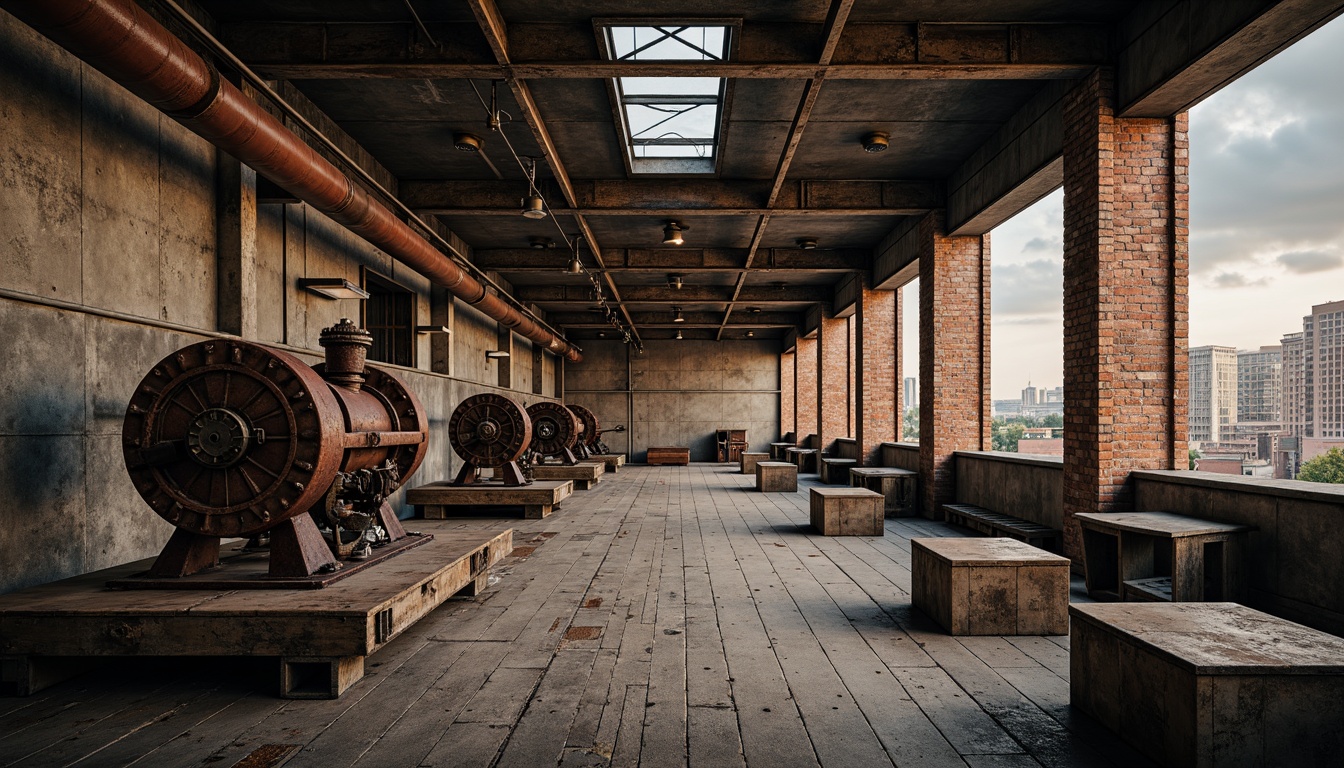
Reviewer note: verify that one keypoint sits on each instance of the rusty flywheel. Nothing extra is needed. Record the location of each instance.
(489, 430)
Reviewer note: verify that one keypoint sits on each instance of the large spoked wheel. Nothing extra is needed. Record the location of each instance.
(489, 430)
(226, 438)
(590, 425)
(555, 429)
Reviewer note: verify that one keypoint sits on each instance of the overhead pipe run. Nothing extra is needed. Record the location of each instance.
(121, 40)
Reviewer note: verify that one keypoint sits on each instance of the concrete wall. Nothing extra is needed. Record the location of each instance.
(1294, 568)
(1031, 488)
(110, 264)
(680, 392)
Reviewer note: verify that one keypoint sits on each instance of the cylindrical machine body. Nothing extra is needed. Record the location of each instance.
(555, 428)
(229, 438)
(591, 426)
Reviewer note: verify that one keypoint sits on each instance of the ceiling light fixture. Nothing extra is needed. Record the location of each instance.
(533, 206)
(672, 233)
(751, 334)
(679, 336)
(540, 243)
(575, 266)
(468, 142)
(674, 281)
(807, 243)
(875, 142)
(677, 317)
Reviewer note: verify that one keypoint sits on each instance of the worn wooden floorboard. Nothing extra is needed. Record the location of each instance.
(671, 616)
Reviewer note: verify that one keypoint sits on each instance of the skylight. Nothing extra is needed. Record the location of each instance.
(669, 124)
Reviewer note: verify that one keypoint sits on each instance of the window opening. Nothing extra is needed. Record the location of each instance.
(389, 315)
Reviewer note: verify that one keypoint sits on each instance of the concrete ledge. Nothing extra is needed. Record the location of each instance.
(1301, 490)
(1047, 462)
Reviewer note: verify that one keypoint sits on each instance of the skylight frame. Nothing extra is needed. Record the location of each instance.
(637, 165)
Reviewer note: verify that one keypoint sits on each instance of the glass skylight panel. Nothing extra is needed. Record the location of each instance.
(669, 117)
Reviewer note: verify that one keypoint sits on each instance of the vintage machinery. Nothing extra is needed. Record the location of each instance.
(226, 438)
(591, 430)
(490, 430)
(555, 432)
(600, 446)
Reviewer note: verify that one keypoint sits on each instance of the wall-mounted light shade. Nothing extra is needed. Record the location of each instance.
(333, 288)
(433, 329)
(534, 207)
(496, 354)
(672, 233)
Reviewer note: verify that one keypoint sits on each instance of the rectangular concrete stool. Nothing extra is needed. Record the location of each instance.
(975, 586)
(750, 460)
(1209, 683)
(847, 512)
(776, 477)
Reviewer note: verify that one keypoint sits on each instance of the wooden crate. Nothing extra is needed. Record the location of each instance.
(847, 512)
(584, 475)
(776, 477)
(999, 586)
(749, 460)
(835, 470)
(436, 501)
(898, 486)
(1208, 684)
(668, 455)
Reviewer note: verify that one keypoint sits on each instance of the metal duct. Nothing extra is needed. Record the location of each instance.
(121, 40)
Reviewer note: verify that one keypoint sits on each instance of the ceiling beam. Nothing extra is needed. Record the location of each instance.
(689, 320)
(689, 294)
(833, 31)
(681, 197)
(496, 36)
(315, 50)
(679, 260)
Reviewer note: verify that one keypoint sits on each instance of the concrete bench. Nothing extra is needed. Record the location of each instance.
(847, 512)
(803, 458)
(1209, 683)
(1161, 556)
(750, 460)
(835, 470)
(998, 586)
(900, 487)
(776, 477)
(991, 523)
(777, 450)
(668, 455)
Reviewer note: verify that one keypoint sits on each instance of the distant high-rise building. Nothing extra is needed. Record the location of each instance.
(911, 393)
(1213, 394)
(1313, 374)
(1260, 385)
(1029, 396)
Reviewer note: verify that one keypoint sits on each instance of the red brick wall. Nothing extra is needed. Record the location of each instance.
(1126, 321)
(852, 385)
(954, 408)
(833, 386)
(877, 387)
(786, 404)
(805, 388)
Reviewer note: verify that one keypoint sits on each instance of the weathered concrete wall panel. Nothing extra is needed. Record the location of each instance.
(1029, 488)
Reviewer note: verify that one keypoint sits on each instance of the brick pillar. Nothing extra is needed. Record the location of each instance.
(877, 387)
(1126, 199)
(805, 388)
(786, 404)
(954, 407)
(833, 380)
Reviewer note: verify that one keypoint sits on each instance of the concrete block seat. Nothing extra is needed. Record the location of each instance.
(990, 586)
(991, 523)
(749, 460)
(803, 458)
(847, 512)
(835, 470)
(1209, 684)
(900, 487)
(776, 477)
(777, 450)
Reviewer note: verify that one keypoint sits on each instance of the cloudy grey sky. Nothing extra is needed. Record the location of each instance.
(1266, 221)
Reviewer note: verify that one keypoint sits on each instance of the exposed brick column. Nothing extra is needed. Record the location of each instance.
(786, 392)
(1126, 275)
(877, 389)
(805, 388)
(833, 380)
(954, 407)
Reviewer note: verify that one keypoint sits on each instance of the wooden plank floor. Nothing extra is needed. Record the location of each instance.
(670, 616)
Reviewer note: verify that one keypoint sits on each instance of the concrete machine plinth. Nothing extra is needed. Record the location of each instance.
(440, 500)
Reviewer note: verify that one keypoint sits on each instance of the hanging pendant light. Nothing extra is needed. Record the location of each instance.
(672, 233)
(533, 206)
(575, 266)
(677, 316)
(678, 336)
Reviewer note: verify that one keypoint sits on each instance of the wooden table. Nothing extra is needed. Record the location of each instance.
(1162, 556)
(1209, 683)
(898, 486)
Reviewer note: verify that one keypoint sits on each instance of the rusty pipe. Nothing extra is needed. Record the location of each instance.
(122, 41)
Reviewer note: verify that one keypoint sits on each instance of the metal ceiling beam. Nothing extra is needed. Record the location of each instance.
(658, 260)
(496, 35)
(690, 320)
(690, 294)
(682, 197)
(834, 31)
(306, 50)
